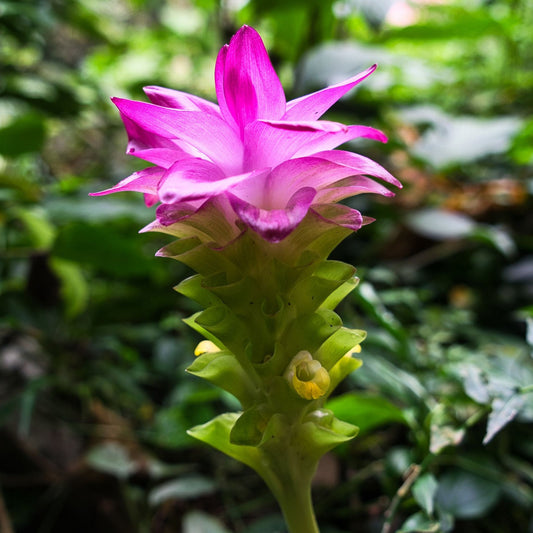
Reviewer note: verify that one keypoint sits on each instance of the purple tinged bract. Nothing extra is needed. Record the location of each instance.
(268, 161)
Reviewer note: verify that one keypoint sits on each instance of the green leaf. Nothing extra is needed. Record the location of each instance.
(74, 288)
(101, 248)
(198, 522)
(439, 224)
(170, 428)
(424, 491)
(113, 459)
(443, 430)
(23, 135)
(364, 411)
(466, 495)
(184, 488)
(419, 523)
(504, 410)
(271, 522)
(379, 372)
(42, 233)
(466, 27)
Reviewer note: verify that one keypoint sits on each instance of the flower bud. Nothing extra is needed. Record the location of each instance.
(307, 376)
(205, 347)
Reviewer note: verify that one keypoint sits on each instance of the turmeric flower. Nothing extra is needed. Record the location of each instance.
(307, 376)
(269, 161)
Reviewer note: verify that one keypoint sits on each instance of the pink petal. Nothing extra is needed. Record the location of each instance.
(168, 214)
(341, 215)
(314, 105)
(206, 132)
(211, 220)
(150, 199)
(251, 87)
(179, 100)
(292, 175)
(145, 181)
(194, 179)
(220, 68)
(350, 187)
(360, 164)
(162, 157)
(158, 150)
(271, 190)
(328, 141)
(274, 224)
(268, 143)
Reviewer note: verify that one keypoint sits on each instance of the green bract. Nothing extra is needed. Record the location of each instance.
(277, 344)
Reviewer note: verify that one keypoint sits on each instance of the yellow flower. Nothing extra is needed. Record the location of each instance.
(307, 376)
(206, 347)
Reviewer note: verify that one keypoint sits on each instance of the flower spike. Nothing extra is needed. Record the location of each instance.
(250, 188)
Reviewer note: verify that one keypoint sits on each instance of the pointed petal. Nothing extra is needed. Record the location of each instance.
(194, 179)
(154, 148)
(206, 132)
(339, 214)
(274, 224)
(360, 164)
(328, 141)
(212, 220)
(168, 214)
(272, 190)
(162, 157)
(314, 105)
(267, 143)
(313, 172)
(179, 100)
(350, 187)
(145, 181)
(150, 199)
(252, 89)
(189, 179)
(220, 68)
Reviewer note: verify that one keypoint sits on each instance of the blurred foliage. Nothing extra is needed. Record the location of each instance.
(94, 403)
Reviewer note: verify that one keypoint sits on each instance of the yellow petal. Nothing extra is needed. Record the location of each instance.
(206, 347)
(313, 388)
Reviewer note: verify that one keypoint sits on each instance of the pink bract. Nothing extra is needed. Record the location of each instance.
(271, 160)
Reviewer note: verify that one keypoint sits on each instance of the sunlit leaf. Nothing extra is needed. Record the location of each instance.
(113, 459)
(439, 224)
(184, 488)
(198, 522)
(504, 410)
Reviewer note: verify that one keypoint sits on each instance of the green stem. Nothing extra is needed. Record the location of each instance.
(288, 474)
(297, 507)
